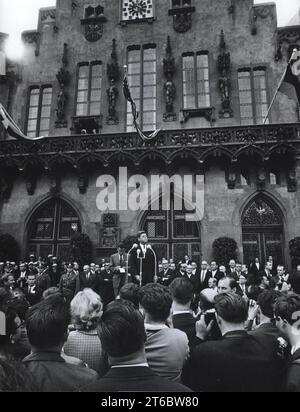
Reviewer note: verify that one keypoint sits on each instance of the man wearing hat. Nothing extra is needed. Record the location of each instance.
(142, 261)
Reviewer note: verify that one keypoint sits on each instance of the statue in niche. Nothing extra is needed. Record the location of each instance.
(224, 86)
(112, 94)
(61, 104)
(170, 92)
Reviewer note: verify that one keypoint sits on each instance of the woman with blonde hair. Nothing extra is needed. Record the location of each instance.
(83, 343)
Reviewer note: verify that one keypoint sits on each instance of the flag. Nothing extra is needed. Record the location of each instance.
(2, 64)
(12, 128)
(290, 85)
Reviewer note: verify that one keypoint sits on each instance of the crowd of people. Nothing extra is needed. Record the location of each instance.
(197, 328)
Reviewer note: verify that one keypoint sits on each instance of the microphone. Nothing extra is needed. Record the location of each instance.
(134, 246)
(149, 246)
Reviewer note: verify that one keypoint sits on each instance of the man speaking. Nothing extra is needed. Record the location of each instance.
(142, 261)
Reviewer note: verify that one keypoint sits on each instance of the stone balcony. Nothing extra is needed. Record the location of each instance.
(199, 144)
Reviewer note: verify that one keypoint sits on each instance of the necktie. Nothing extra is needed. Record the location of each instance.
(203, 276)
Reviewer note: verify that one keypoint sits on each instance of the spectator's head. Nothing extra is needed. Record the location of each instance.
(18, 293)
(130, 292)
(213, 266)
(242, 280)
(14, 377)
(266, 302)
(269, 265)
(93, 267)
(182, 267)
(194, 265)
(204, 265)
(165, 264)
(232, 264)
(155, 301)
(264, 282)
(189, 269)
(280, 270)
(232, 312)
(238, 267)
(69, 268)
(287, 315)
(222, 269)
(212, 283)
(75, 266)
(182, 292)
(122, 332)
(86, 310)
(173, 266)
(207, 299)
(227, 285)
(244, 268)
(47, 324)
(50, 292)
(86, 269)
(253, 292)
(8, 281)
(31, 280)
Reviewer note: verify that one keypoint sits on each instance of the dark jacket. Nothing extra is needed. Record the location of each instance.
(134, 379)
(293, 374)
(91, 283)
(147, 265)
(236, 363)
(186, 323)
(55, 375)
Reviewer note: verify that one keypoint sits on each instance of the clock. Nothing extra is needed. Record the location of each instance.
(137, 9)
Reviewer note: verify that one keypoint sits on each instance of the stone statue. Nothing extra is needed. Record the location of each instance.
(170, 92)
(61, 103)
(112, 94)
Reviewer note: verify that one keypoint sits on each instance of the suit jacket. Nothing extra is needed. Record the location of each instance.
(237, 363)
(134, 379)
(166, 276)
(91, 283)
(33, 297)
(148, 266)
(233, 275)
(293, 373)
(115, 262)
(204, 284)
(105, 288)
(195, 280)
(186, 323)
(218, 275)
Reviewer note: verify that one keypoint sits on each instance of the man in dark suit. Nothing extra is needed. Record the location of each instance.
(267, 271)
(23, 275)
(119, 262)
(238, 362)
(105, 286)
(287, 312)
(204, 276)
(33, 293)
(193, 278)
(166, 273)
(256, 267)
(231, 271)
(215, 273)
(88, 279)
(122, 334)
(142, 262)
(182, 315)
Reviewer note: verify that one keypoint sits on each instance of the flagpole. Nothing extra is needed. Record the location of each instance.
(279, 85)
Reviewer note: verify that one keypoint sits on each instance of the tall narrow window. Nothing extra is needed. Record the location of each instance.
(88, 102)
(142, 82)
(196, 88)
(39, 111)
(253, 95)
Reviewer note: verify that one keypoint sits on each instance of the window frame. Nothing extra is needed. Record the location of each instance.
(141, 111)
(89, 90)
(40, 89)
(251, 68)
(195, 80)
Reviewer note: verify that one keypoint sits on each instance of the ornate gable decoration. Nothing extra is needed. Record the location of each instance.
(137, 10)
(93, 23)
(260, 213)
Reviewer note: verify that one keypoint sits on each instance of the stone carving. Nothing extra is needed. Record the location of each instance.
(169, 86)
(112, 91)
(93, 23)
(224, 63)
(63, 77)
(182, 15)
(262, 12)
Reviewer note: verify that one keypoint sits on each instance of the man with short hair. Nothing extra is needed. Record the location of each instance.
(229, 284)
(142, 262)
(194, 279)
(166, 349)
(236, 363)
(122, 334)
(182, 316)
(215, 272)
(47, 330)
(166, 272)
(88, 279)
(287, 312)
(119, 263)
(231, 272)
(204, 276)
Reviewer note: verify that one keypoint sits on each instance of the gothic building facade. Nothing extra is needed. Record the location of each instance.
(204, 72)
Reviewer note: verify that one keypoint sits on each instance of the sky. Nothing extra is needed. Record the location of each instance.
(19, 15)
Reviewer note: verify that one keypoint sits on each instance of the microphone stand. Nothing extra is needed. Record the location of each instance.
(127, 263)
(141, 264)
(155, 262)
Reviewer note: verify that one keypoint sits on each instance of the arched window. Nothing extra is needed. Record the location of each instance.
(262, 231)
(174, 234)
(51, 228)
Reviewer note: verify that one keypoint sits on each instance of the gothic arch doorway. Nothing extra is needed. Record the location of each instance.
(262, 226)
(51, 228)
(173, 234)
